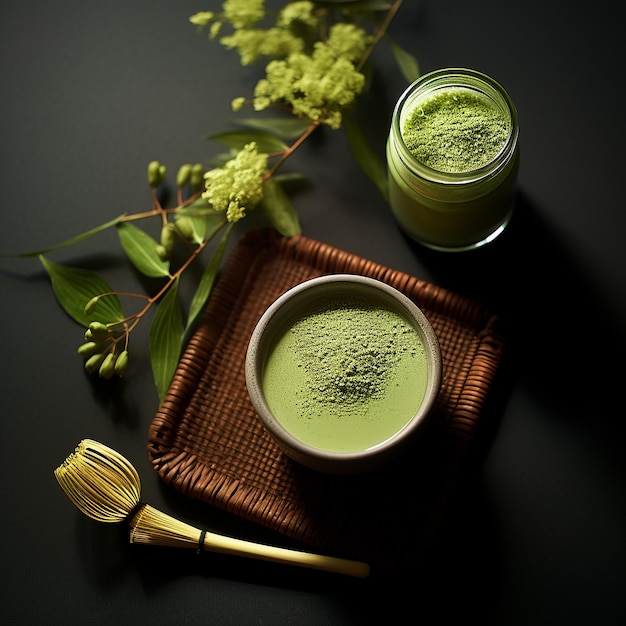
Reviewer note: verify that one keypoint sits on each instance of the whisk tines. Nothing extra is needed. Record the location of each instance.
(100, 482)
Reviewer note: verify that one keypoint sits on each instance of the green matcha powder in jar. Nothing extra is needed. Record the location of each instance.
(452, 159)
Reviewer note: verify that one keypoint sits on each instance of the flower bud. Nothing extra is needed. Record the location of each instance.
(88, 349)
(237, 104)
(93, 363)
(107, 368)
(162, 253)
(168, 236)
(97, 338)
(196, 176)
(184, 173)
(155, 175)
(98, 327)
(98, 332)
(202, 18)
(184, 226)
(91, 305)
(121, 363)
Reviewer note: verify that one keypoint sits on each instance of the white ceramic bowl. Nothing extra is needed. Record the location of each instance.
(342, 455)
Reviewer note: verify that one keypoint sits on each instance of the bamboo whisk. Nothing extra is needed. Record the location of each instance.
(106, 487)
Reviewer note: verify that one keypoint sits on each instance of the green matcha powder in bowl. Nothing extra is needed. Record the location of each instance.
(343, 371)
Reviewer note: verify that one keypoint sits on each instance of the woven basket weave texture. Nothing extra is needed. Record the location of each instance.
(207, 442)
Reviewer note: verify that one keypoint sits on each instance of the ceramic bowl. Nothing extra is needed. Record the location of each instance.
(341, 455)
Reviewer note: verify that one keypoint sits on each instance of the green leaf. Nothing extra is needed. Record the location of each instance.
(74, 287)
(237, 139)
(287, 128)
(279, 210)
(205, 286)
(289, 178)
(407, 63)
(219, 160)
(73, 240)
(141, 249)
(166, 332)
(369, 162)
(205, 226)
(206, 221)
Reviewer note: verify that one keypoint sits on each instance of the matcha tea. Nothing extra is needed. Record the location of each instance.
(455, 130)
(346, 377)
(452, 160)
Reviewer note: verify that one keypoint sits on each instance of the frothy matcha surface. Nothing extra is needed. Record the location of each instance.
(346, 377)
(455, 130)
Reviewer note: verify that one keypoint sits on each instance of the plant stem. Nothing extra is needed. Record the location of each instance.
(381, 32)
(292, 148)
(159, 210)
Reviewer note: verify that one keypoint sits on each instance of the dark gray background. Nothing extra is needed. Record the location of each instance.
(92, 92)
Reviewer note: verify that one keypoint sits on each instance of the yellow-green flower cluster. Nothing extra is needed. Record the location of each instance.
(319, 85)
(204, 18)
(253, 42)
(348, 41)
(240, 14)
(298, 13)
(238, 184)
(316, 81)
(243, 13)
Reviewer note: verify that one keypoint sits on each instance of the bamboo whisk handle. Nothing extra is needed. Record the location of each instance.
(239, 547)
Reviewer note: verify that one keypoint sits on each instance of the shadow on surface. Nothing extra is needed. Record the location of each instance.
(560, 329)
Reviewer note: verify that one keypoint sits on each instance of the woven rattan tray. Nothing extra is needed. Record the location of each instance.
(206, 441)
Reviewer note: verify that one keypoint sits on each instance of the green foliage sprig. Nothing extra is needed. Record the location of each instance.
(317, 54)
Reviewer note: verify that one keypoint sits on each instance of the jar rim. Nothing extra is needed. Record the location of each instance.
(447, 78)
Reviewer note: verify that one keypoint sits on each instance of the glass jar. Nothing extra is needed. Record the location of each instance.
(452, 159)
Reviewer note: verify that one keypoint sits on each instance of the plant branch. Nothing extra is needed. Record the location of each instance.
(381, 32)
(293, 147)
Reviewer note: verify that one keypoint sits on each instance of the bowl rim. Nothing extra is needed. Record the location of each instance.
(318, 458)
